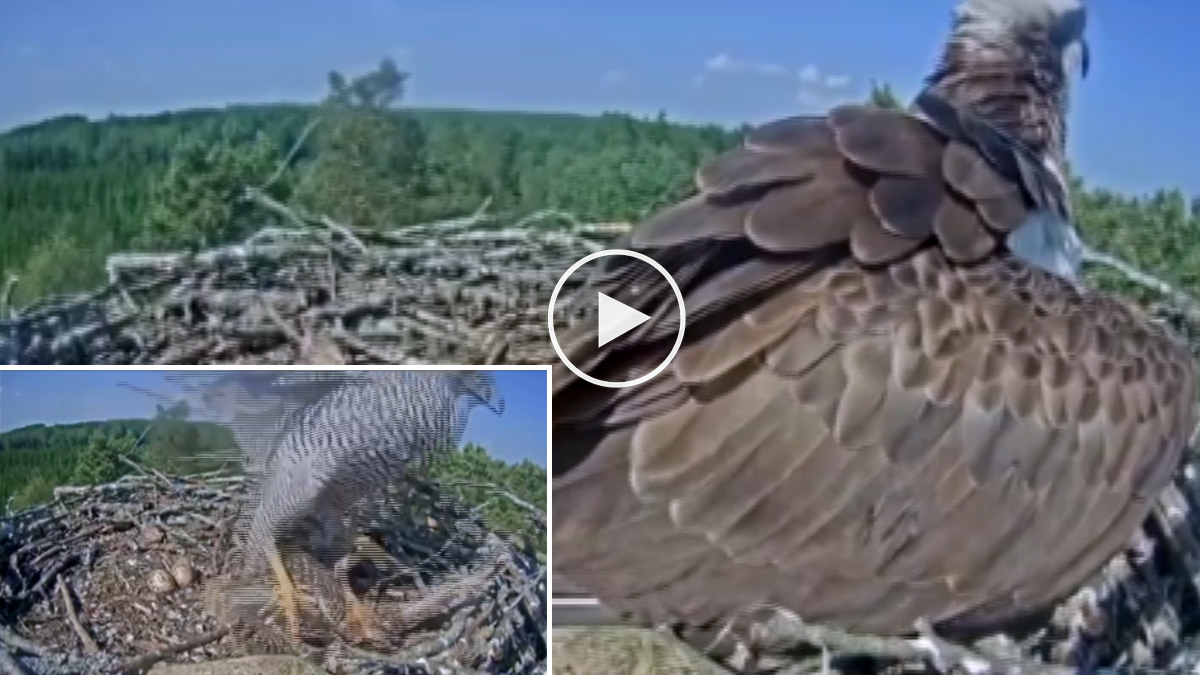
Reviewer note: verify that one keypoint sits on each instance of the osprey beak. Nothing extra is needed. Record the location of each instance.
(1076, 58)
(1084, 58)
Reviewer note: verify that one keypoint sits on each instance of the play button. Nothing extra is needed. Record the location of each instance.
(615, 318)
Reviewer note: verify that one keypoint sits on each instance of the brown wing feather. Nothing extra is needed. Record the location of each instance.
(864, 443)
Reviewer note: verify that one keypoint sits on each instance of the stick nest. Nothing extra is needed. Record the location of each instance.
(471, 290)
(119, 577)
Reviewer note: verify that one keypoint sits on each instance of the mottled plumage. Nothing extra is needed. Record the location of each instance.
(1009, 62)
(321, 441)
(880, 413)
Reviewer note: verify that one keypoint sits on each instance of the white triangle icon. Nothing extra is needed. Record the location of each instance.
(616, 318)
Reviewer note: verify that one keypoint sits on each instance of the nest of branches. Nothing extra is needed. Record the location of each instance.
(135, 576)
(471, 290)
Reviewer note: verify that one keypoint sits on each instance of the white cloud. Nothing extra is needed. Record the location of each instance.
(809, 75)
(820, 99)
(812, 75)
(815, 88)
(813, 98)
(724, 63)
(614, 76)
(818, 90)
(808, 99)
(770, 69)
(720, 63)
(837, 81)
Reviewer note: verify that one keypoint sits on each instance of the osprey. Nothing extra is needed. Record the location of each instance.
(894, 402)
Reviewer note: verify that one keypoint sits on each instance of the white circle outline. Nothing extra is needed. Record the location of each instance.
(604, 254)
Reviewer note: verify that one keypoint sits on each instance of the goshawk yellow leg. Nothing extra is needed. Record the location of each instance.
(285, 595)
(361, 622)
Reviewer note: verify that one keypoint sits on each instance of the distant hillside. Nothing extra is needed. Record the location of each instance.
(36, 436)
(91, 182)
(74, 190)
(36, 458)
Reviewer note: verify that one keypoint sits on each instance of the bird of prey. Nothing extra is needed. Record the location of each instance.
(895, 401)
(322, 441)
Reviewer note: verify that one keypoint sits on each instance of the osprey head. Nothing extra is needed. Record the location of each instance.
(1055, 28)
(1011, 63)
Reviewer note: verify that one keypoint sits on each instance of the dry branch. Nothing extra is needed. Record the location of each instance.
(141, 664)
(89, 645)
(465, 290)
(83, 570)
(1180, 301)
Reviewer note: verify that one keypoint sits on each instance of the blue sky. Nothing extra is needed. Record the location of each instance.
(714, 60)
(56, 397)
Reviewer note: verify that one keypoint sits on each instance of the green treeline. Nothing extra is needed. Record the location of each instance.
(37, 458)
(465, 470)
(73, 190)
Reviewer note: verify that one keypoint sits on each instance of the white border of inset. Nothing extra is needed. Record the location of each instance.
(261, 367)
(226, 368)
(220, 367)
(604, 254)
